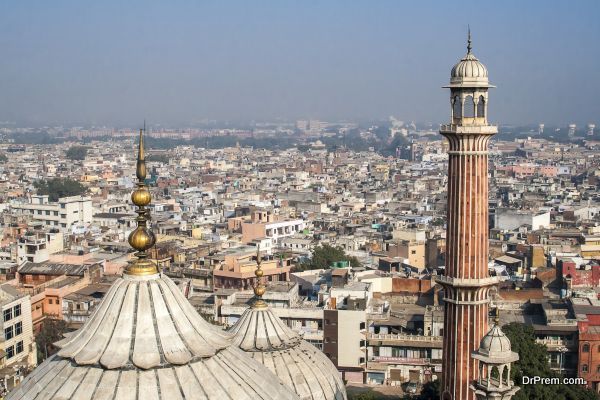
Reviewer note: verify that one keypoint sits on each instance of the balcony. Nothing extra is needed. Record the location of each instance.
(400, 339)
(400, 360)
(311, 334)
(555, 344)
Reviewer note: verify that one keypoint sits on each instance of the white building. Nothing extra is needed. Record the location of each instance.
(65, 213)
(508, 219)
(18, 343)
(38, 247)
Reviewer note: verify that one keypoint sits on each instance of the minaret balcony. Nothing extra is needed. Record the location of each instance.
(462, 129)
(464, 282)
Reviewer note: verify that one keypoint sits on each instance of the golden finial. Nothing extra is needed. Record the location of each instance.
(141, 238)
(469, 40)
(497, 316)
(259, 288)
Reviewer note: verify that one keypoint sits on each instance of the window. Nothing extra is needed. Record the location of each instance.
(413, 252)
(584, 349)
(47, 212)
(62, 205)
(469, 107)
(457, 107)
(481, 107)
(17, 310)
(56, 213)
(18, 328)
(584, 368)
(8, 333)
(7, 315)
(19, 348)
(10, 352)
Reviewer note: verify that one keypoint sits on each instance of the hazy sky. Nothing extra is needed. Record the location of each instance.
(176, 62)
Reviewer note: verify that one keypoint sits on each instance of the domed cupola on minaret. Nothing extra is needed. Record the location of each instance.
(495, 358)
(469, 86)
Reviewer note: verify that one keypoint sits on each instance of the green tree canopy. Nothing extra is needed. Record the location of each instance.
(3, 158)
(430, 391)
(56, 188)
(324, 255)
(77, 153)
(533, 361)
(160, 158)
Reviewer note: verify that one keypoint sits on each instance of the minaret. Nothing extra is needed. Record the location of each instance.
(466, 281)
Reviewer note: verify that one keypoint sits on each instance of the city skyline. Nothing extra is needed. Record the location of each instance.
(109, 64)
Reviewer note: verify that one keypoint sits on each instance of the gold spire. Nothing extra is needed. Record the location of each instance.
(497, 316)
(259, 288)
(141, 238)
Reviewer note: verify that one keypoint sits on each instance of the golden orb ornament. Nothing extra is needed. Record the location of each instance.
(259, 273)
(141, 197)
(141, 239)
(260, 290)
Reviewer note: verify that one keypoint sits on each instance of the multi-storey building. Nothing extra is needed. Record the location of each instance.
(18, 344)
(64, 214)
(234, 268)
(265, 225)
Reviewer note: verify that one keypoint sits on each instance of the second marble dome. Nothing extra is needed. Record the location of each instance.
(299, 364)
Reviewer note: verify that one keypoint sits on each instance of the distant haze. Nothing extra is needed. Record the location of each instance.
(179, 62)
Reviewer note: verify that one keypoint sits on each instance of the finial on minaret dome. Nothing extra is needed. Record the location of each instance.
(469, 47)
(142, 238)
(259, 288)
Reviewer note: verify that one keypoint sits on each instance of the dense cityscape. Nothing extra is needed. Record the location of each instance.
(289, 212)
(343, 235)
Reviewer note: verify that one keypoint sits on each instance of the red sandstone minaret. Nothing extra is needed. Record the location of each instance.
(466, 281)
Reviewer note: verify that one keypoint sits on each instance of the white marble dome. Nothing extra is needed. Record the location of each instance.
(299, 364)
(469, 67)
(495, 343)
(145, 341)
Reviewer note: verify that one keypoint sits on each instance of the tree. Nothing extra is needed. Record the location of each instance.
(159, 158)
(325, 255)
(77, 153)
(533, 362)
(51, 332)
(59, 187)
(430, 391)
